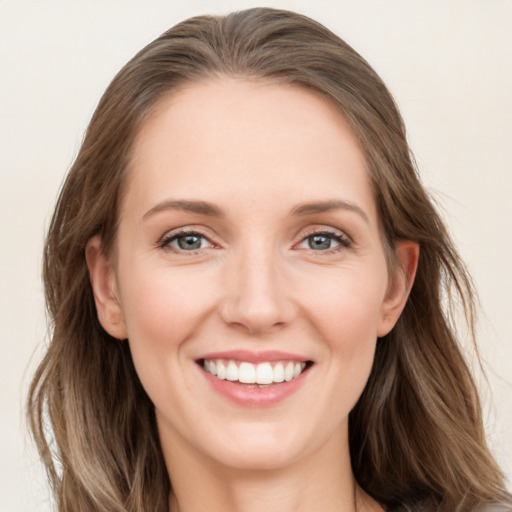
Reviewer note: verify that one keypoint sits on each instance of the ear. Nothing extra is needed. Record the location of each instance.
(104, 287)
(401, 281)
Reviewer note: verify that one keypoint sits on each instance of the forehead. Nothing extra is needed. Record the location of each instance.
(247, 137)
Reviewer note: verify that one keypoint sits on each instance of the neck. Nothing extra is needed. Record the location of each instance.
(256, 492)
(321, 482)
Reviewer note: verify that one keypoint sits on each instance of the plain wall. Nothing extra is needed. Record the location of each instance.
(447, 62)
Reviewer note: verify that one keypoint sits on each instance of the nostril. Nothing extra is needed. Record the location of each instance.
(256, 306)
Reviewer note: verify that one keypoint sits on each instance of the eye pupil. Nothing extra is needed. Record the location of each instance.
(319, 242)
(188, 242)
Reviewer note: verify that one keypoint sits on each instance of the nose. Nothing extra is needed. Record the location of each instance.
(257, 298)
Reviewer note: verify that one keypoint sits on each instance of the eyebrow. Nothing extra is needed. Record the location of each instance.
(209, 209)
(326, 206)
(200, 207)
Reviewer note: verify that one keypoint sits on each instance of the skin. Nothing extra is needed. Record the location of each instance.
(256, 151)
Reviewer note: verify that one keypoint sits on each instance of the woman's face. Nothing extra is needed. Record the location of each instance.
(249, 247)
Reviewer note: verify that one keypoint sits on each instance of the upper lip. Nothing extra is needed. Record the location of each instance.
(255, 357)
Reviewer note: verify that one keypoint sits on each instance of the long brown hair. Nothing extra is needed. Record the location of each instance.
(416, 434)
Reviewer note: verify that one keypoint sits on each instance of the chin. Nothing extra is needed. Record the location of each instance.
(260, 447)
(258, 457)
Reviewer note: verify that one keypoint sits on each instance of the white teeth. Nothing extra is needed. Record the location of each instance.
(221, 370)
(279, 372)
(264, 373)
(248, 373)
(232, 371)
(288, 372)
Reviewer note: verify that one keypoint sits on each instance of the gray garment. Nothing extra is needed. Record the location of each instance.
(492, 507)
(496, 508)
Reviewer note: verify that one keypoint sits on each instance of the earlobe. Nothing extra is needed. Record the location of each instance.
(104, 286)
(406, 255)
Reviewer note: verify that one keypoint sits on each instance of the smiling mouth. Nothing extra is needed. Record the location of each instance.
(255, 375)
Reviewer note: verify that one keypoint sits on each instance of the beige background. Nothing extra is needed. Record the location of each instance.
(448, 63)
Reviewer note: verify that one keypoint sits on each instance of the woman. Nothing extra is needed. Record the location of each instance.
(247, 284)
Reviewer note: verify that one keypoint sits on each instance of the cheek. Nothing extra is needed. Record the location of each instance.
(346, 305)
(160, 300)
(163, 308)
(352, 334)
(346, 315)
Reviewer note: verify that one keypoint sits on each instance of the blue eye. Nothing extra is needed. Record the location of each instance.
(320, 242)
(186, 241)
(324, 241)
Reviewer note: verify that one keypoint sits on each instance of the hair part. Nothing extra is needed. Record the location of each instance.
(416, 434)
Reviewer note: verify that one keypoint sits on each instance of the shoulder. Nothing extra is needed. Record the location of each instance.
(505, 506)
(496, 507)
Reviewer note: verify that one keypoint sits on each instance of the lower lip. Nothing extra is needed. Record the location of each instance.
(242, 394)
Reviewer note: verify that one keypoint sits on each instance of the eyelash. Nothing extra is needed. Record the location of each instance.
(343, 240)
(165, 242)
